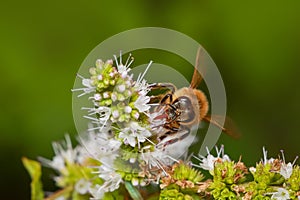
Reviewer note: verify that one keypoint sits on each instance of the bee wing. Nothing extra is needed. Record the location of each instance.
(229, 126)
(197, 78)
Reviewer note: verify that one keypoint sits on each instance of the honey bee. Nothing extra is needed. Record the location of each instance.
(182, 109)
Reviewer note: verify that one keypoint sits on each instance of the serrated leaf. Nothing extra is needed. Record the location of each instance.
(34, 170)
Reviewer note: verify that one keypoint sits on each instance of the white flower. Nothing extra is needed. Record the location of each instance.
(123, 69)
(208, 162)
(97, 97)
(82, 186)
(115, 114)
(101, 147)
(88, 86)
(157, 159)
(134, 134)
(87, 82)
(281, 194)
(121, 88)
(265, 158)
(252, 170)
(127, 109)
(64, 153)
(100, 77)
(128, 137)
(111, 179)
(142, 87)
(97, 192)
(58, 163)
(114, 96)
(103, 113)
(286, 170)
(106, 95)
(141, 103)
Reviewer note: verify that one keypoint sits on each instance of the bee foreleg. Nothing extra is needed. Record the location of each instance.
(177, 136)
(167, 99)
(168, 86)
(156, 98)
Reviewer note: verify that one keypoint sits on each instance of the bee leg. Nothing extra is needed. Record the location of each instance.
(175, 134)
(156, 98)
(168, 86)
(167, 99)
(181, 134)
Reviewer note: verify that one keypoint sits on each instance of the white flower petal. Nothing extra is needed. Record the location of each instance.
(281, 194)
(141, 103)
(82, 186)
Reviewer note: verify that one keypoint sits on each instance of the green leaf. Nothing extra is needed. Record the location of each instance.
(34, 170)
(134, 193)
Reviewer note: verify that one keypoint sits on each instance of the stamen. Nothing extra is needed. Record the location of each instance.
(121, 57)
(116, 60)
(196, 165)
(77, 89)
(222, 150)
(197, 158)
(79, 76)
(207, 150)
(265, 155)
(140, 77)
(170, 157)
(128, 59)
(295, 160)
(150, 141)
(94, 128)
(91, 118)
(131, 61)
(283, 158)
(160, 166)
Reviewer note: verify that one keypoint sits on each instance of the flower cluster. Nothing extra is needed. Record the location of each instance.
(120, 155)
(270, 179)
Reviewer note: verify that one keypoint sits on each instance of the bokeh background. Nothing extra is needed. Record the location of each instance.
(256, 47)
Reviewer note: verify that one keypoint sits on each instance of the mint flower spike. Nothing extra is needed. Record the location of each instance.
(71, 166)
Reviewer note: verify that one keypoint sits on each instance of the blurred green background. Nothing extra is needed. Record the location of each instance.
(256, 47)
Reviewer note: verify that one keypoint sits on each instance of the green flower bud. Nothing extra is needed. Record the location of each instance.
(121, 97)
(112, 82)
(108, 102)
(106, 82)
(99, 64)
(122, 118)
(92, 71)
(294, 180)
